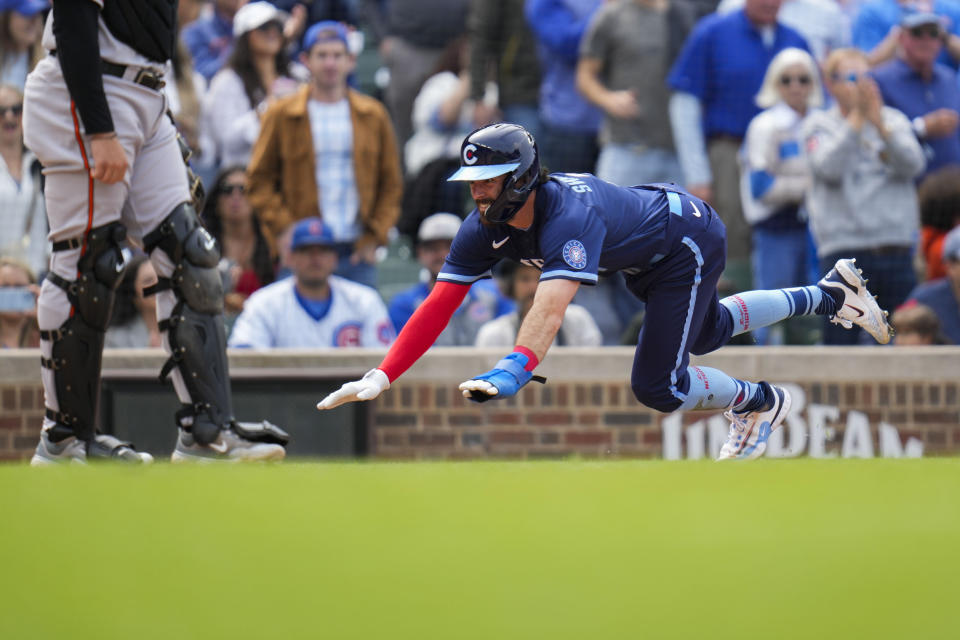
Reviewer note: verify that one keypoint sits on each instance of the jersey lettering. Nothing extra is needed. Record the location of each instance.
(575, 184)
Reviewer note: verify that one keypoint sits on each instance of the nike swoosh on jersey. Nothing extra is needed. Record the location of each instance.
(696, 211)
(499, 243)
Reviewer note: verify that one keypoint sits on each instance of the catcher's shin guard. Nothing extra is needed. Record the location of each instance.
(195, 330)
(77, 346)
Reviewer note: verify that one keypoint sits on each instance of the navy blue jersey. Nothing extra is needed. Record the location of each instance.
(582, 226)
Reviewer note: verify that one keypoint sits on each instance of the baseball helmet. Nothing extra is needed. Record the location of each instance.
(495, 150)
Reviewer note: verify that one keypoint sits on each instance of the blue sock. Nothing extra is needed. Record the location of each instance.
(713, 389)
(755, 309)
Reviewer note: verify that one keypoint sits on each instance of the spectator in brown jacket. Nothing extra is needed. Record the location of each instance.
(327, 150)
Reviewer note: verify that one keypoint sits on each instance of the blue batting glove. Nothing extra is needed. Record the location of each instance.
(504, 380)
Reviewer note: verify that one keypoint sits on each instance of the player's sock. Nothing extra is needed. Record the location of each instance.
(713, 389)
(755, 309)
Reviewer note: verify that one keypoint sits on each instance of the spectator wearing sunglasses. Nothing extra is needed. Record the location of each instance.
(245, 261)
(878, 24)
(923, 89)
(862, 203)
(775, 177)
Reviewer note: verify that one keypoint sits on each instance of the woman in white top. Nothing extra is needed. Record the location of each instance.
(258, 72)
(23, 218)
(775, 177)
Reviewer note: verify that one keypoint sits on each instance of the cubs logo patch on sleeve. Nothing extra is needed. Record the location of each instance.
(575, 254)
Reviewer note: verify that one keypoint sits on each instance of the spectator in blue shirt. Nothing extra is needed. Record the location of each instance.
(209, 38)
(924, 90)
(876, 28)
(715, 79)
(569, 123)
(483, 302)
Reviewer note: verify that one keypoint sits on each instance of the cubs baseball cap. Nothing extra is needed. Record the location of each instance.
(254, 15)
(324, 31)
(311, 232)
(951, 245)
(439, 226)
(25, 7)
(913, 19)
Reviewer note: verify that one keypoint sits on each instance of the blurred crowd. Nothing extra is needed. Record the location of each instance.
(324, 131)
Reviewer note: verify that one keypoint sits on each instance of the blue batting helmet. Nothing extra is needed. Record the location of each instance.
(499, 149)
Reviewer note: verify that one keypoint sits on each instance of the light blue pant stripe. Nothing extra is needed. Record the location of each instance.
(686, 323)
(673, 200)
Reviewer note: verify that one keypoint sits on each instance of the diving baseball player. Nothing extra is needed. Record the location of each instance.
(670, 245)
(95, 116)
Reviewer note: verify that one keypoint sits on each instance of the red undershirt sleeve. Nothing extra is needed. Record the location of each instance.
(423, 327)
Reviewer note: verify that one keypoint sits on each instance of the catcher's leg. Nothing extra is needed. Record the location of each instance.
(190, 312)
(75, 348)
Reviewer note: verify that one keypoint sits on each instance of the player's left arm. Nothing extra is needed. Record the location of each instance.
(536, 334)
(542, 322)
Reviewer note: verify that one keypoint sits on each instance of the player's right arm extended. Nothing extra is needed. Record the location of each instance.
(420, 332)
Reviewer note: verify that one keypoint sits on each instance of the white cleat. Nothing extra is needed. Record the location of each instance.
(858, 307)
(750, 431)
(228, 447)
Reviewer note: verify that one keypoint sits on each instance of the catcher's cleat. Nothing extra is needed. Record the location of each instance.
(855, 304)
(750, 431)
(107, 447)
(69, 449)
(228, 447)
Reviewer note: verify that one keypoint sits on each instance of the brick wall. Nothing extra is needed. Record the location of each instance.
(587, 407)
(21, 414)
(562, 419)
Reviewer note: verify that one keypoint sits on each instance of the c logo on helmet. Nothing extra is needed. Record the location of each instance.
(470, 154)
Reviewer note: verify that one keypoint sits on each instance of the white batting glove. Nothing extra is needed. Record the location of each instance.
(372, 384)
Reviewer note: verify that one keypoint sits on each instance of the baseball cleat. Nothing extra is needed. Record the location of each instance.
(228, 447)
(67, 450)
(855, 304)
(103, 447)
(107, 447)
(750, 431)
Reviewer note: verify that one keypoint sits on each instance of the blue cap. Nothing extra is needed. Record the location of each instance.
(311, 232)
(25, 7)
(325, 31)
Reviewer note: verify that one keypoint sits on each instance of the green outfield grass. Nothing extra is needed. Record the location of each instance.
(571, 549)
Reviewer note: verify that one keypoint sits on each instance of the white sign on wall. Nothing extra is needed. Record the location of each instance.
(807, 429)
